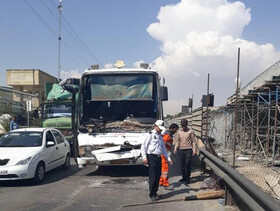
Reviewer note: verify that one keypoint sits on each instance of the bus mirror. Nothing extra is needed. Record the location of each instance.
(70, 85)
(164, 93)
(71, 88)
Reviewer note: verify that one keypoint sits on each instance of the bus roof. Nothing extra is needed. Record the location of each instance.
(119, 71)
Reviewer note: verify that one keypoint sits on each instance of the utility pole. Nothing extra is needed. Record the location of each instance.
(236, 107)
(59, 38)
(207, 106)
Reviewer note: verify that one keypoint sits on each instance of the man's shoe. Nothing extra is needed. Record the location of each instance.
(187, 182)
(158, 197)
(182, 180)
(153, 199)
(170, 187)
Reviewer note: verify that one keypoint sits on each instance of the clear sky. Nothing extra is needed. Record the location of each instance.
(184, 40)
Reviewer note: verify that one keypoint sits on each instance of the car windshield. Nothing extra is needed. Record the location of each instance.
(21, 139)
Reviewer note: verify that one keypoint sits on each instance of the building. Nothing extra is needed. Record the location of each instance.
(32, 81)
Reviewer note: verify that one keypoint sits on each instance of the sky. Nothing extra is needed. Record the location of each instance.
(183, 39)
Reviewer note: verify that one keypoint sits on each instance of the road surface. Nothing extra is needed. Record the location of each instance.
(108, 188)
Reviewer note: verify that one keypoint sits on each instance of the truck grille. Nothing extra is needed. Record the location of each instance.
(4, 162)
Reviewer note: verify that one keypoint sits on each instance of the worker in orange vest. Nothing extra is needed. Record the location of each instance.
(168, 140)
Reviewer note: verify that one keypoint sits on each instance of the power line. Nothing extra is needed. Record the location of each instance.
(75, 53)
(50, 28)
(53, 31)
(81, 42)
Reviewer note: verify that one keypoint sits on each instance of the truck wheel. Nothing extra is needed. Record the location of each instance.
(39, 174)
(66, 164)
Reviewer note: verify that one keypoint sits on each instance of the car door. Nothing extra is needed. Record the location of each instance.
(52, 153)
(61, 145)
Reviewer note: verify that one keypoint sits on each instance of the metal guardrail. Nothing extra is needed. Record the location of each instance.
(251, 194)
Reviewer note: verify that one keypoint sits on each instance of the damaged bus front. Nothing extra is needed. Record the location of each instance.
(116, 110)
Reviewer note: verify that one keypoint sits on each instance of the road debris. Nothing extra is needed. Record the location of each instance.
(199, 196)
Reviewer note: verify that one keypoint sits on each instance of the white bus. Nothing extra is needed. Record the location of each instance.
(116, 109)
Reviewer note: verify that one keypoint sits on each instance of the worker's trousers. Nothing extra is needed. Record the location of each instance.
(154, 162)
(164, 172)
(185, 156)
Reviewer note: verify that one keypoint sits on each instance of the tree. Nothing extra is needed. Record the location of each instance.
(5, 123)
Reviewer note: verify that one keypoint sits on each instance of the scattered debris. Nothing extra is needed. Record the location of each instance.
(127, 125)
(199, 196)
(118, 126)
(211, 183)
(242, 158)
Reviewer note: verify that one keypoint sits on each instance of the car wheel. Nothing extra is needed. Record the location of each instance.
(66, 164)
(39, 174)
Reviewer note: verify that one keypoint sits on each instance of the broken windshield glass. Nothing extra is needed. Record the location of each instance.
(105, 88)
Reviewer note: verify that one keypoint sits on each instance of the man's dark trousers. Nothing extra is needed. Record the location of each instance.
(185, 156)
(154, 162)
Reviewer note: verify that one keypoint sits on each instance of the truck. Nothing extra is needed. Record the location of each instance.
(116, 109)
(56, 111)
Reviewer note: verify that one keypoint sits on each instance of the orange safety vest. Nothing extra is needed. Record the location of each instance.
(168, 140)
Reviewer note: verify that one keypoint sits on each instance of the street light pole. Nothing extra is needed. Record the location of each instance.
(59, 38)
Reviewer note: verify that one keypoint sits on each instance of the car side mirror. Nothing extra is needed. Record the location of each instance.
(164, 93)
(50, 143)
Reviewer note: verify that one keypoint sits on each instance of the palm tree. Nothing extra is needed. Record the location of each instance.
(5, 123)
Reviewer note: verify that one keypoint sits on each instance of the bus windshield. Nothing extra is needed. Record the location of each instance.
(121, 88)
(117, 97)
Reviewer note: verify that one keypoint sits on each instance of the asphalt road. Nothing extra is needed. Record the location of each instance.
(108, 188)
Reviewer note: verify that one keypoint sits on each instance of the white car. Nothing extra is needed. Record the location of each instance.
(29, 153)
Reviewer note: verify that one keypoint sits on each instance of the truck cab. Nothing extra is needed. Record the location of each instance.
(56, 111)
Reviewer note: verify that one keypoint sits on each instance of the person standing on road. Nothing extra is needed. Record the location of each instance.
(13, 124)
(152, 149)
(186, 146)
(168, 140)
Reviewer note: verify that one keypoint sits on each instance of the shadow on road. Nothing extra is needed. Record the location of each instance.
(177, 192)
(51, 176)
(121, 171)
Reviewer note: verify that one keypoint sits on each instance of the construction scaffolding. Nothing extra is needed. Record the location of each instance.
(257, 147)
(257, 131)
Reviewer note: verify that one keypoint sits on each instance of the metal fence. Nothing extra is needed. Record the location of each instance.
(14, 103)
